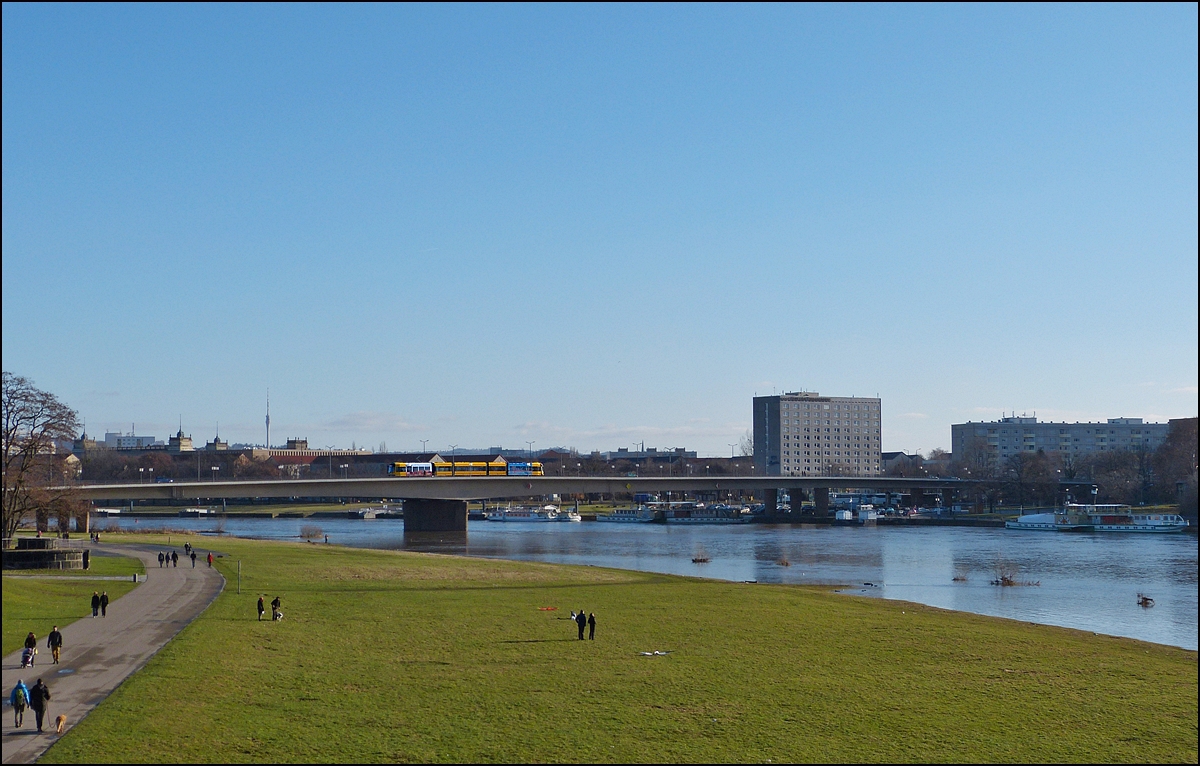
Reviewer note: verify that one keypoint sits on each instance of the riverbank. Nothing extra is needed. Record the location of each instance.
(396, 656)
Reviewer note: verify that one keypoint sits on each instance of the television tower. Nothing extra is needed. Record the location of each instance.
(268, 445)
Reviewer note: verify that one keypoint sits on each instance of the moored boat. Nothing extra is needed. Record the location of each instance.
(1100, 518)
(690, 513)
(545, 513)
(640, 514)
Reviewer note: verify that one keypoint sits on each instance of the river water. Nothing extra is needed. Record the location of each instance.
(1085, 581)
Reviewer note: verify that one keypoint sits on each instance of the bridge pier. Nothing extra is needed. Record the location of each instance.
(796, 498)
(771, 502)
(821, 501)
(435, 516)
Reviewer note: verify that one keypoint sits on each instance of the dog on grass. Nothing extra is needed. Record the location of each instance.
(60, 723)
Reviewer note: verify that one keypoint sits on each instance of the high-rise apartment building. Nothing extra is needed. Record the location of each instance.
(806, 434)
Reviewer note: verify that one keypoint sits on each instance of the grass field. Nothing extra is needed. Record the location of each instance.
(39, 605)
(389, 656)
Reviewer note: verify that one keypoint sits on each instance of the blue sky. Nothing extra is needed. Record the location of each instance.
(592, 225)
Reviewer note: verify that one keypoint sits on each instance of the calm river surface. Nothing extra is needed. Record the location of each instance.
(1087, 581)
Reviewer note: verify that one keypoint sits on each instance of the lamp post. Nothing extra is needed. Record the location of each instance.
(423, 443)
(732, 447)
(530, 451)
(151, 470)
(141, 474)
(215, 468)
(344, 466)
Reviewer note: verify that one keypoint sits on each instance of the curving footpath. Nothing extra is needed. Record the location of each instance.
(98, 654)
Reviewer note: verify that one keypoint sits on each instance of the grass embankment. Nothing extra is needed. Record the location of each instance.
(40, 604)
(387, 656)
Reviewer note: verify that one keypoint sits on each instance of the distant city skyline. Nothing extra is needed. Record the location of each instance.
(595, 226)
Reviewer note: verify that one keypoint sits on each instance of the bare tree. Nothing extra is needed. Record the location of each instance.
(32, 420)
(746, 445)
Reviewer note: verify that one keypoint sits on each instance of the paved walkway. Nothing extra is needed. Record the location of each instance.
(98, 654)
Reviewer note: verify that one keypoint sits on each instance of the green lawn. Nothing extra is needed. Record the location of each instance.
(388, 656)
(39, 605)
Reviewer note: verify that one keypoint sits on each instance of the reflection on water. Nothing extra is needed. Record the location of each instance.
(1087, 581)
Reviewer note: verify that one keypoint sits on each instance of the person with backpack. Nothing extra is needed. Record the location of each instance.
(54, 643)
(19, 699)
(39, 695)
(161, 557)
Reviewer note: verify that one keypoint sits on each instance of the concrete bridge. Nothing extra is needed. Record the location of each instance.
(440, 504)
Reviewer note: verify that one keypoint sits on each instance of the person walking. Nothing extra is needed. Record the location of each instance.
(262, 608)
(187, 548)
(54, 643)
(104, 604)
(39, 695)
(19, 699)
(275, 604)
(31, 646)
(161, 556)
(592, 626)
(581, 621)
(210, 559)
(174, 559)
(193, 559)
(95, 604)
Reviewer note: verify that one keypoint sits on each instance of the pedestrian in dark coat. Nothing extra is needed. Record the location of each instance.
(592, 626)
(39, 695)
(161, 557)
(581, 621)
(95, 603)
(174, 559)
(54, 643)
(275, 604)
(262, 608)
(104, 604)
(193, 559)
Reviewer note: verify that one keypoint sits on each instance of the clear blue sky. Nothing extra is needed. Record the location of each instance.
(590, 226)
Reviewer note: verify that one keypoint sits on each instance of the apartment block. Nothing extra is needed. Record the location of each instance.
(805, 434)
(1010, 435)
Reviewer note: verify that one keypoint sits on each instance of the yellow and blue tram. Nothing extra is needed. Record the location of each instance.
(467, 468)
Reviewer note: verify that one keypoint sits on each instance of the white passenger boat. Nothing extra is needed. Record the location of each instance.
(641, 514)
(568, 515)
(545, 513)
(1100, 518)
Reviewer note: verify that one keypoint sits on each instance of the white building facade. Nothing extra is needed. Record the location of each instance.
(805, 434)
